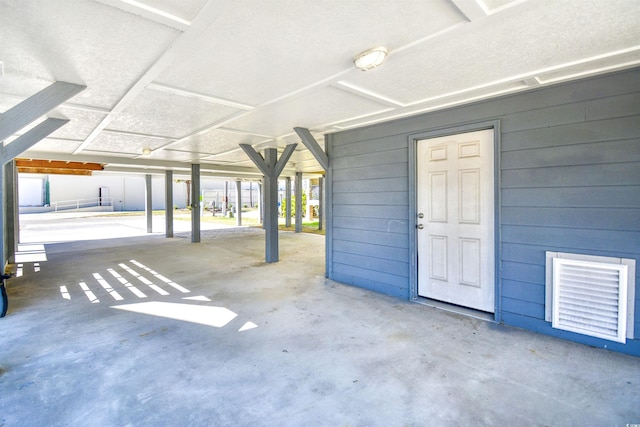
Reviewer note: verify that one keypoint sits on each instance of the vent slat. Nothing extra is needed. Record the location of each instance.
(588, 299)
(592, 296)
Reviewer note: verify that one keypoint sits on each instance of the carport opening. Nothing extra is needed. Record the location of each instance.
(57, 208)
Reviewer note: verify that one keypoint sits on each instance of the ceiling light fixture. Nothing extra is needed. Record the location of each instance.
(371, 58)
(146, 151)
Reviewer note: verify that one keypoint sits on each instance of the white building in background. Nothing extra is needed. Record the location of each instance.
(38, 193)
(118, 192)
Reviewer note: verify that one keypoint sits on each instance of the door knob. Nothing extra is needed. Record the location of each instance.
(420, 215)
(419, 226)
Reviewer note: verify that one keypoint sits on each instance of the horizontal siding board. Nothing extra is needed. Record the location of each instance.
(575, 197)
(394, 198)
(573, 155)
(371, 211)
(523, 291)
(373, 237)
(371, 185)
(370, 250)
(346, 149)
(395, 170)
(522, 272)
(613, 106)
(583, 240)
(586, 218)
(598, 131)
(363, 273)
(523, 253)
(370, 159)
(526, 308)
(397, 268)
(573, 176)
(374, 224)
(543, 117)
(383, 288)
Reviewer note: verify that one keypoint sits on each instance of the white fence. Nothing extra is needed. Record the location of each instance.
(77, 204)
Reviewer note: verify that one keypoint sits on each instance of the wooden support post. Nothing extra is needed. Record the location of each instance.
(271, 167)
(320, 202)
(298, 184)
(238, 203)
(195, 203)
(287, 196)
(168, 203)
(148, 203)
(11, 210)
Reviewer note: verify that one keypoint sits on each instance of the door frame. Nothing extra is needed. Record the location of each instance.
(413, 197)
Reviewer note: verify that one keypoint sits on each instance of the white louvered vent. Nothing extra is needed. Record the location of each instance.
(590, 298)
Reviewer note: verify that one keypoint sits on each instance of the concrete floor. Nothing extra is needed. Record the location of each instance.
(284, 346)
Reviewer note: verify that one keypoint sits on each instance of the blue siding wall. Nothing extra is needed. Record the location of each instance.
(569, 182)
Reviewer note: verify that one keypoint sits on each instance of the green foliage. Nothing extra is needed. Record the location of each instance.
(283, 206)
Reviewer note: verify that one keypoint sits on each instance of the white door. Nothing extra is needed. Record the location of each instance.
(455, 199)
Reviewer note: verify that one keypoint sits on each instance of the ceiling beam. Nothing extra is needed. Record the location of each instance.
(36, 106)
(141, 163)
(150, 13)
(471, 9)
(257, 177)
(176, 48)
(312, 145)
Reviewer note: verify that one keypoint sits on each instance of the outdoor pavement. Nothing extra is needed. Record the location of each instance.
(149, 331)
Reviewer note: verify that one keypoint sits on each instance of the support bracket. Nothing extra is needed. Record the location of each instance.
(36, 106)
(312, 145)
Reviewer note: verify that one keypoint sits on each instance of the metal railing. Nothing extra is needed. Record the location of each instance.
(82, 203)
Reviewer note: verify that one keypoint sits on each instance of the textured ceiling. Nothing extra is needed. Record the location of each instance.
(193, 79)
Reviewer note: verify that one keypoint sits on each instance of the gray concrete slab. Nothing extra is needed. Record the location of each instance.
(283, 347)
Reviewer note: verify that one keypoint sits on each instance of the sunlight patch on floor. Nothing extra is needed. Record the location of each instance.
(31, 253)
(197, 298)
(217, 317)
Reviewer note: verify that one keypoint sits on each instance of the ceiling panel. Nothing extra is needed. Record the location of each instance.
(177, 156)
(165, 114)
(537, 39)
(124, 143)
(53, 145)
(258, 53)
(76, 41)
(214, 141)
(81, 122)
(313, 109)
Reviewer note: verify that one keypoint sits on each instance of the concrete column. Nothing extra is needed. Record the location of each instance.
(238, 203)
(195, 203)
(298, 202)
(287, 195)
(320, 202)
(168, 203)
(148, 203)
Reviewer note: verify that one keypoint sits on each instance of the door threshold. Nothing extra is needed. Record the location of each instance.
(452, 308)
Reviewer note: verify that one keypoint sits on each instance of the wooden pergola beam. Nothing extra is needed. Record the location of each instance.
(57, 164)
